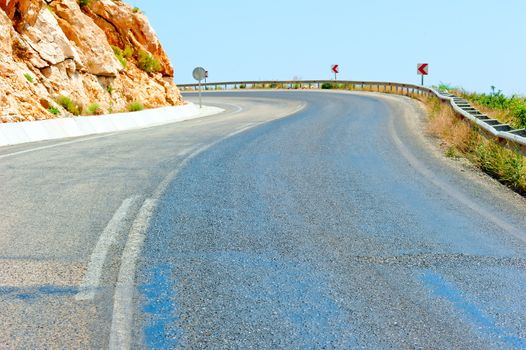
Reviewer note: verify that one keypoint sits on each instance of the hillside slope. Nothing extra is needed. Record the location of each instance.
(100, 54)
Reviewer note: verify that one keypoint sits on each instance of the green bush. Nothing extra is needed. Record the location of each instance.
(445, 87)
(53, 110)
(147, 62)
(506, 166)
(513, 109)
(135, 106)
(94, 108)
(242, 86)
(83, 3)
(120, 56)
(327, 86)
(518, 112)
(28, 77)
(69, 105)
(128, 52)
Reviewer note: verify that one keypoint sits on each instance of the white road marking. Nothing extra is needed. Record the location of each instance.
(122, 318)
(108, 238)
(55, 145)
(185, 152)
(120, 336)
(121, 325)
(237, 107)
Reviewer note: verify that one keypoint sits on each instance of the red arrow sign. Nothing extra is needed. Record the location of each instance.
(335, 68)
(423, 69)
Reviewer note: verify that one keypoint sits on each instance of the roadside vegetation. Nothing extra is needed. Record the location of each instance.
(509, 110)
(69, 105)
(53, 110)
(95, 109)
(463, 140)
(135, 106)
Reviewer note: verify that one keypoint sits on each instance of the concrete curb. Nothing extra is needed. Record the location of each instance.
(17, 133)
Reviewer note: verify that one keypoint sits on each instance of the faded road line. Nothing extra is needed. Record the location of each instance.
(122, 318)
(55, 145)
(98, 257)
(120, 337)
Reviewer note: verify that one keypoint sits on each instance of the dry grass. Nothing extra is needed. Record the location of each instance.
(462, 139)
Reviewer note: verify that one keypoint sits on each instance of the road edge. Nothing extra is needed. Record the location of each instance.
(62, 128)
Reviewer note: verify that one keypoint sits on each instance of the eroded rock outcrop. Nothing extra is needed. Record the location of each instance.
(103, 55)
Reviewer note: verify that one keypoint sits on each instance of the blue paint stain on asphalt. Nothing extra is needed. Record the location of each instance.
(303, 297)
(33, 293)
(160, 333)
(484, 323)
(264, 285)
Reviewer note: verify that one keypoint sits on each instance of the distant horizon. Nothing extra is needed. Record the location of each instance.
(374, 41)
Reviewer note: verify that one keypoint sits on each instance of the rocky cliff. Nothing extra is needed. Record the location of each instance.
(67, 57)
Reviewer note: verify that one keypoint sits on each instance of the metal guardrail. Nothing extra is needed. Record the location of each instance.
(504, 134)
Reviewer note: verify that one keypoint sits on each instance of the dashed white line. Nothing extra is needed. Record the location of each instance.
(55, 145)
(108, 238)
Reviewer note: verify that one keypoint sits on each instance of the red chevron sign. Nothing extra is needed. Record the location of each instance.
(423, 69)
(335, 68)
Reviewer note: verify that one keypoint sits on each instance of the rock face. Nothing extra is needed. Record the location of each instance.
(101, 56)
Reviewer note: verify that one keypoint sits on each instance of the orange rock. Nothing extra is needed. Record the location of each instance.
(49, 51)
(125, 26)
(23, 13)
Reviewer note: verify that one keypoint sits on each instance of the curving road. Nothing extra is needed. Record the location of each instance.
(294, 220)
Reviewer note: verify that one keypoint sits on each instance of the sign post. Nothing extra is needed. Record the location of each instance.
(422, 69)
(335, 68)
(199, 74)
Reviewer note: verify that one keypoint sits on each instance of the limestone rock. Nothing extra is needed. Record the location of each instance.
(126, 26)
(96, 54)
(54, 48)
(23, 13)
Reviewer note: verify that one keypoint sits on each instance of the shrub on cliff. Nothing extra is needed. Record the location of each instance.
(69, 105)
(83, 3)
(29, 77)
(94, 109)
(135, 106)
(120, 56)
(148, 63)
(53, 110)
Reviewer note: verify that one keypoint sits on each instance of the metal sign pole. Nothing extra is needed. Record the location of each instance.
(200, 101)
(422, 80)
(199, 74)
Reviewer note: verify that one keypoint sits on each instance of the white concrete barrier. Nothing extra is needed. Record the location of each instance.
(17, 133)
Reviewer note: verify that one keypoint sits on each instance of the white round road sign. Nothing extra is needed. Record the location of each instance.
(199, 73)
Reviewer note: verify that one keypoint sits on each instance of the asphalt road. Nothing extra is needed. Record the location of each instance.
(294, 220)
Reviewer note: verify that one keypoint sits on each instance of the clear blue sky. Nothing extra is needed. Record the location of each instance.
(468, 43)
